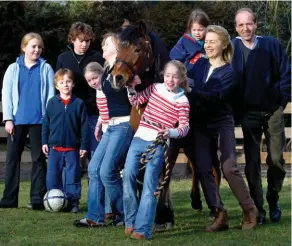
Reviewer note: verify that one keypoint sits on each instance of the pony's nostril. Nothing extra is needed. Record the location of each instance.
(119, 77)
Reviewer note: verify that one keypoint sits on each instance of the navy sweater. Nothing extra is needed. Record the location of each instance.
(265, 79)
(81, 89)
(117, 100)
(185, 50)
(210, 100)
(65, 126)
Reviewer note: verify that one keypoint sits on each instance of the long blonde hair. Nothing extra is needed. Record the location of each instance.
(182, 73)
(115, 39)
(225, 39)
(29, 36)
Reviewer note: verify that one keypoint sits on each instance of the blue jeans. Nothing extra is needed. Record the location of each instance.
(104, 171)
(69, 162)
(141, 216)
(92, 120)
(92, 142)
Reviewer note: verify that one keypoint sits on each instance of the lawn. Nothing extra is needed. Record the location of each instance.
(25, 227)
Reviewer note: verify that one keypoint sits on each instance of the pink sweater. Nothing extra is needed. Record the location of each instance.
(169, 110)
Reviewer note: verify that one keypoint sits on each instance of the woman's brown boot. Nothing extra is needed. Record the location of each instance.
(249, 218)
(220, 222)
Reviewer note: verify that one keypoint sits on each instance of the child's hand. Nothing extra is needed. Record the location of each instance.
(136, 81)
(45, 149)
(164, 133)
(97, 133)
(9, 127)
(82, 153)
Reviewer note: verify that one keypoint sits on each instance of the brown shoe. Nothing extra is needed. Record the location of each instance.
(249, 218)
(129, 230)
(138, 236)
(220, 222)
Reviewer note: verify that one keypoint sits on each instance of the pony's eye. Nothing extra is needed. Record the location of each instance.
(137, 50)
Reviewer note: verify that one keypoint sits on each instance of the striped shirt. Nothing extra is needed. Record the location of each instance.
(101, 103)
(165, 109)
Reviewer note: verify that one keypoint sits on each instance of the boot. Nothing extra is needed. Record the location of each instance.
(220, 222)
(249, 218)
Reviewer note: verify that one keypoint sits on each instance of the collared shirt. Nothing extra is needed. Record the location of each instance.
(255, 41)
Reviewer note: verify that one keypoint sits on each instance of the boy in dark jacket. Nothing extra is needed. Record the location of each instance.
(64, 138)
(76, 58)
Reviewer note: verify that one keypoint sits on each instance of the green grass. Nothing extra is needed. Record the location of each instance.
(25, 227)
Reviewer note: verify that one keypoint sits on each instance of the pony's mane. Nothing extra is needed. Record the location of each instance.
(132, 33)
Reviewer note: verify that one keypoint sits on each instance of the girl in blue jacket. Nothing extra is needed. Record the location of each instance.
(190, 46)
(28, 84)
(213, 123)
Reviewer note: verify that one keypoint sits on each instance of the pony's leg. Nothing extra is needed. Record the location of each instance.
(164, 209)
(196, 191)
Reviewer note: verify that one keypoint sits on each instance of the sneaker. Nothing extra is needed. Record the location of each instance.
(87, 223)
(29, 206)
(37, 206)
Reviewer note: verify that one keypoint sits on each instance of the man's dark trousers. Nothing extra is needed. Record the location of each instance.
(254, 124)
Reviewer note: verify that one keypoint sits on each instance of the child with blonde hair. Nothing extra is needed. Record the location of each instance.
(64, 139)
(167, 107)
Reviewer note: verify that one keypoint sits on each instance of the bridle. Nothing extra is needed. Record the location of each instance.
(147, 58)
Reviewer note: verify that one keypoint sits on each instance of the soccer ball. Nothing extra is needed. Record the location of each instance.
(55, 200)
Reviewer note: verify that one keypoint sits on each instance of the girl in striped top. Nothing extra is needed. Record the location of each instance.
(93, 73)
(167, 115)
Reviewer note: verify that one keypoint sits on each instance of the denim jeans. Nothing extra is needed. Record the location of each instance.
(141, 216)
(254, 124)
(104, 171)
(69, 163)
(92, 143)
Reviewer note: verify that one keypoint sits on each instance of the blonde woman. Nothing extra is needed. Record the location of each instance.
(213, 123)
(28, 84)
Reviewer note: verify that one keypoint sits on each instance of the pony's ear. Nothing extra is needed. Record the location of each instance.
(142, 28)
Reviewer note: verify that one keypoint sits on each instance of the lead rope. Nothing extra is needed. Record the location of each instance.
(152, 150)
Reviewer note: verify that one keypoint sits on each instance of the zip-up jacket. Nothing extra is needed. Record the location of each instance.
(265, 79)
(187, 50)
(210, 99)
(82, 90)
(10, 89)
(65, 125)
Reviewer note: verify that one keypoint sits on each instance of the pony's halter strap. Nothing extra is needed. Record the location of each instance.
(129, 66)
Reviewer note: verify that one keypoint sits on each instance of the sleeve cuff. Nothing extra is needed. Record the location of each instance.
(173, 133)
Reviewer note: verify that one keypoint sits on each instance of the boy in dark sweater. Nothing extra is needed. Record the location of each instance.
(64, 139)
(76, 58)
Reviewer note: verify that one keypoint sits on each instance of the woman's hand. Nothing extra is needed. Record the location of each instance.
(135, 81)
(9, 127)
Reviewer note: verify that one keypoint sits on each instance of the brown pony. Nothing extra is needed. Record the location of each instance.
(137, 54)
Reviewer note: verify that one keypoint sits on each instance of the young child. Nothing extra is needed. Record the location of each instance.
(93, 73)
(190, 46)
(167, 106)
(28, 84)
(64, 138)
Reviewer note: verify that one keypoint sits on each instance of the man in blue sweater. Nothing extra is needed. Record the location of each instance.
(263, 73)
